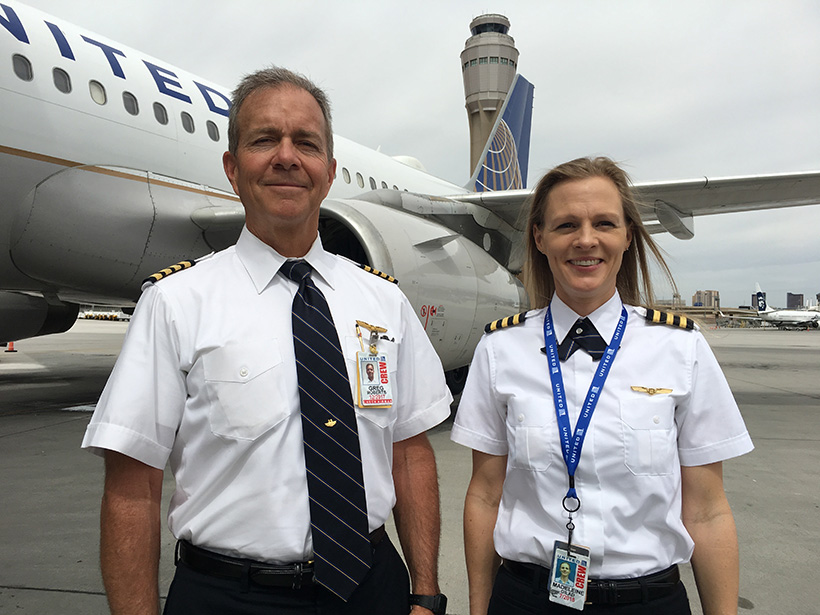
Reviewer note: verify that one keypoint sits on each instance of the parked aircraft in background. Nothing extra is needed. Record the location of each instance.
(785, 319)
(110, 169)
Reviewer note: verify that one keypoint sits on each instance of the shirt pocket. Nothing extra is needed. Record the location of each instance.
(247, 389)
(650, 436)
(381, 417)
(533, 445)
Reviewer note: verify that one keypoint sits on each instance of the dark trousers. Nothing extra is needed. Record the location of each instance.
(385, 590)
(515, 596)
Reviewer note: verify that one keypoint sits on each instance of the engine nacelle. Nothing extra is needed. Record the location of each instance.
(23, 316)
(455, 286)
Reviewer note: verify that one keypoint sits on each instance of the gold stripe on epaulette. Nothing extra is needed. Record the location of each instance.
(668, 318)
(381, 274)
(164, 273)
(507, 321)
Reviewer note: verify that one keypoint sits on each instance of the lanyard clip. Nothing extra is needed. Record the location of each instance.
(374, 334)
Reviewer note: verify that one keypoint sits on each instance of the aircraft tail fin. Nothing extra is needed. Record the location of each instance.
(503, 164)
(761, 300)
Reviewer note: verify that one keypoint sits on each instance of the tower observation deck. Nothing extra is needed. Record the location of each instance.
(488, 66)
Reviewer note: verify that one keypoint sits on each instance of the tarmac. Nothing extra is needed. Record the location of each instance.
(49, 508)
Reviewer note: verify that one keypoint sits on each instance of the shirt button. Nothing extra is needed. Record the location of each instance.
(579, 331)
(243, 372)
(656, 419)
(520, 418)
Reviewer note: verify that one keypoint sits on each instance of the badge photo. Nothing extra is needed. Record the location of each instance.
(568, 575)
(375, 390)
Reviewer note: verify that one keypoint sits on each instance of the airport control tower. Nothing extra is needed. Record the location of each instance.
(488, 64)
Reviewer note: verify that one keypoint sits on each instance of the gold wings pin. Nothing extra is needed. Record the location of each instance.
(650, 390)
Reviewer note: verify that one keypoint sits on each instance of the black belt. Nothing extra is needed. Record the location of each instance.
(294, 576)
(603, 591)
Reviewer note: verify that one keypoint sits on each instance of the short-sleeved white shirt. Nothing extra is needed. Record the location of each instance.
(207, 380)
(628, 478)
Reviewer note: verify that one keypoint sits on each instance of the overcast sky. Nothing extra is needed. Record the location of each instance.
(673, 90)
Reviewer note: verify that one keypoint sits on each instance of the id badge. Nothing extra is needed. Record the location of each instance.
(568, 575)
(375, 390)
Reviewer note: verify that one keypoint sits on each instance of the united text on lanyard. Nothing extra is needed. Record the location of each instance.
(571, 445)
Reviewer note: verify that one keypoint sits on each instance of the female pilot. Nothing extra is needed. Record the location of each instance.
(598, 427)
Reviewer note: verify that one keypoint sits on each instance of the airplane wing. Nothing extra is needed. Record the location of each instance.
(671, 205)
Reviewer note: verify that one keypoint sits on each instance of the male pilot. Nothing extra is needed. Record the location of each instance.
(212, 380)
(370, 371)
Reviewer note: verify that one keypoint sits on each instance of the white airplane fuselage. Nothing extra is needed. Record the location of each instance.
(94, 197)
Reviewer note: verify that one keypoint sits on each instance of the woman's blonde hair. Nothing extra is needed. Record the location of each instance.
(634, 281)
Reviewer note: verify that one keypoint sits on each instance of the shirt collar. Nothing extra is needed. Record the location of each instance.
(605, 318)
(263, 262)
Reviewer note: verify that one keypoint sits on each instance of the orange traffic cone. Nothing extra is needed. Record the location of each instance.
(11, 347)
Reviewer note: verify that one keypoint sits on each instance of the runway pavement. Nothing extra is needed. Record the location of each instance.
(49, 507)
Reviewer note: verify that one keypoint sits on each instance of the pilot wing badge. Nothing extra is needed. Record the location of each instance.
(650, 390)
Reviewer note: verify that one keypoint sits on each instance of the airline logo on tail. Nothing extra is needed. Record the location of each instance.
(506, 156)
(761, 299)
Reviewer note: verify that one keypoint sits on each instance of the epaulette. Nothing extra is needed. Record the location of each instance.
(503, 323)
(164, 273)
(667, 318)
(381, 274)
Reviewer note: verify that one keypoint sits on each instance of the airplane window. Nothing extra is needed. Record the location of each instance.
(97, 90)
(22, 67)
(360, 180)
(160, 113)
(61, 80)
(187, 121)
(129, 101)
(213, 130)
(372, 184)
(384, 185)
(346, 175)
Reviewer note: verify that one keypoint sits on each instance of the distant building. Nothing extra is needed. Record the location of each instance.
(706, 298)
(794, 301)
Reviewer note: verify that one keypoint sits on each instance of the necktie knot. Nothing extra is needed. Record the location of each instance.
(296, 270)
(582, 334)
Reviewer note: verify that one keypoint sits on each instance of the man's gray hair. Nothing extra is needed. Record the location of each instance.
(276, 77)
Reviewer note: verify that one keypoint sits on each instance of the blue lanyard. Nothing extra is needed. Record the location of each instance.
(571, 445)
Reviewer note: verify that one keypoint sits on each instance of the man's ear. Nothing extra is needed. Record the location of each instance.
(229, 164)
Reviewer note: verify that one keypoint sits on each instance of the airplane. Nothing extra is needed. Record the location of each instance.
(110, 170)
(785, 319)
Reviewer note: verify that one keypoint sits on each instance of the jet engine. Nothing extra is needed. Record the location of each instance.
(23, 316)
(454, 285)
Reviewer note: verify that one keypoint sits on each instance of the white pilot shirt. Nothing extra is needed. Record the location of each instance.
(207, 380)
(628, 478)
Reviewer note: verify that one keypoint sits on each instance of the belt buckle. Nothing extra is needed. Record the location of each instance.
(297, 576)
(299, 571)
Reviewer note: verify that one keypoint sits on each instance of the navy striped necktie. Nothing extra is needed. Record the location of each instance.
(338, 509)
(583, 334)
